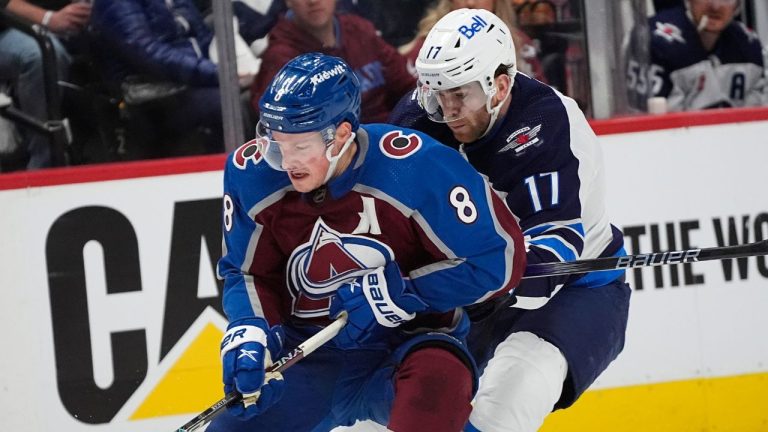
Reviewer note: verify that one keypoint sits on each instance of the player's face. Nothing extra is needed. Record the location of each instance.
(449, 105)
(302, 156)
(474, 4)
(312, 13)
(470, 127)
(719, 13)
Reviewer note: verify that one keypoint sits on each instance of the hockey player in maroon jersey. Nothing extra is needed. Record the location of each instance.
(323, 215)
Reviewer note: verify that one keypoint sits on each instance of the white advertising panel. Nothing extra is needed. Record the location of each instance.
(108, 290)
(682, 189)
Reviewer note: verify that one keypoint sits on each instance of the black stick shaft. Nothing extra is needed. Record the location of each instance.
(645, 260)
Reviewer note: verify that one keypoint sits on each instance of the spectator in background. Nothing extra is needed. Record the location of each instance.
(701, 58)
(396, 20)
(21, 64)
(665, 4)
(536, 13)
(312, 26)
(256, 19)
(526, 51)
(157, 50)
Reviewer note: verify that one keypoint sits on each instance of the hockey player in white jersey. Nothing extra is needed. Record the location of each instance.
(535, 145)
(701, 58)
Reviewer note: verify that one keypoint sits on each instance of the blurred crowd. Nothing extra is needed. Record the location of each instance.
(138, 79)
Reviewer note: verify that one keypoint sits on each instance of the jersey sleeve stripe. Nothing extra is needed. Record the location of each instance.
(268, 201)
(574, 225)
(556, 246)
(510, 261)
(250, 249)
(253, 296)
(435, 267)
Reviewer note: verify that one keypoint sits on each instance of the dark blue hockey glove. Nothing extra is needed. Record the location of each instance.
(376, 303)
(247, 351)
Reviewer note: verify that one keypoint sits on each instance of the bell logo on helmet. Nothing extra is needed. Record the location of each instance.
(324, 75)
(470, 30)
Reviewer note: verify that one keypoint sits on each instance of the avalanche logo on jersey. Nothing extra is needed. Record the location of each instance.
(248, 151)
(521, 139)
(397, 145)
(317, 268)
(668, 31)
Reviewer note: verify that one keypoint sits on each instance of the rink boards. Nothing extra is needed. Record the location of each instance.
(111, 313)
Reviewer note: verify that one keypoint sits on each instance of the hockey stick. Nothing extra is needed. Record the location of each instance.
(531, 271)
(303, 350)
(645, 260)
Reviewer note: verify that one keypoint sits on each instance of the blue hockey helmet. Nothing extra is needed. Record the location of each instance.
(311, 92)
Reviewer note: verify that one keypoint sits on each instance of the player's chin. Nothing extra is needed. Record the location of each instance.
(464, 134)
(457, 127)
(716, 25)
(303, 188)
(304, 182)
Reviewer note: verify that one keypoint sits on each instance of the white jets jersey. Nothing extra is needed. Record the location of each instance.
(732, 74)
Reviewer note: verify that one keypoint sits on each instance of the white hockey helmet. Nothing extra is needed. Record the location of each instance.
(464, 47)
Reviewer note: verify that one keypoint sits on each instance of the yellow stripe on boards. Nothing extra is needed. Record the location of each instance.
(192, 384)
(729, 404)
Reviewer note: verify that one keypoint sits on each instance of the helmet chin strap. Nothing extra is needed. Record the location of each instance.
(334, 160)
(494, 112)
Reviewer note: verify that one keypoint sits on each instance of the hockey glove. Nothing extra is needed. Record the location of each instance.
(247, 351)
(376, 303)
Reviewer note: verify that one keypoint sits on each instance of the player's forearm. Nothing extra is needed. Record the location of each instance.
(243, 299)
(26, 10)
(554, 247)
(465, 282)
(540, 287)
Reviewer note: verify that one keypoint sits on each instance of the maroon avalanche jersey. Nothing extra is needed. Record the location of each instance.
(404, 198)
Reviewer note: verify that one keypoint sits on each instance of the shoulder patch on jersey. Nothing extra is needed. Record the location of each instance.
(669, 32)
(248, 151)
(397, 145)
(522, 139)
(751, 34)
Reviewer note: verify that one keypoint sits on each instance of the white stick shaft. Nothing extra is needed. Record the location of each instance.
(324, 335)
